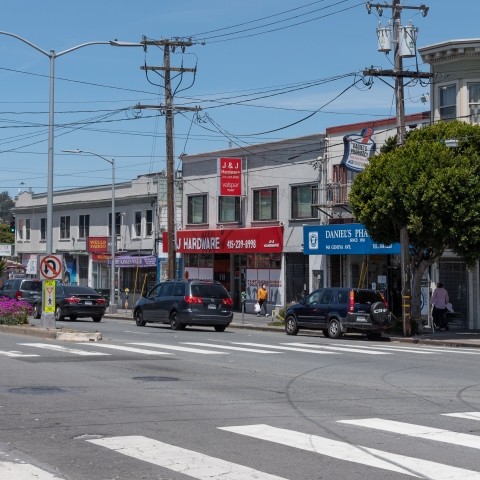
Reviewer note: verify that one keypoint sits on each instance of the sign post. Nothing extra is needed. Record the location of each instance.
(51, 269)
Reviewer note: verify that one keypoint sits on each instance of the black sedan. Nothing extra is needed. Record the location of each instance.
(75, 302)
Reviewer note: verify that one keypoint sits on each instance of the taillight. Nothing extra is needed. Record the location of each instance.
(193, 300)
(101, 301)
(72, 300)
(227, 301)
(351, 301)
(18, 295)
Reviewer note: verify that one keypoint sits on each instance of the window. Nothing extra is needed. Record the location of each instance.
(27, 229)
(118, 219)
(138, 224)
(65, 227)
(197, 209)
(83, 226)
(43, 229)
(474, 102)
(265, 204)
(448, 102)
(149, 223)
(302, 202)
(228, 209)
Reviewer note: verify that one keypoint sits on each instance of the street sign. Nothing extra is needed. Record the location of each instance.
(51, 267)
(49, 296)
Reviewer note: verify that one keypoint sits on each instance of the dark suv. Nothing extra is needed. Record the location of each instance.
(185, 302)
(338, 310)
(22, 289)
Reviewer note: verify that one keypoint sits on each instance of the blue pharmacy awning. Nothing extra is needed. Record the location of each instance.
(345, 239)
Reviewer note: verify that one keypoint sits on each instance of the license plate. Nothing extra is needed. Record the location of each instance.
(361, 319)
(212, 306)
(88, 302)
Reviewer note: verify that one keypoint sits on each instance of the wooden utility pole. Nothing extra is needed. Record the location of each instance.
(399, 74)
(168, 108)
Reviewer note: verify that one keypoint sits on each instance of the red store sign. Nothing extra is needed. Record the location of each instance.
(239, 240)
(230, 176)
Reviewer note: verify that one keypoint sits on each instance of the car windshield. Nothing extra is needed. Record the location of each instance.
(33, 286)
(76, 290)
(367, 296)
(206, 290)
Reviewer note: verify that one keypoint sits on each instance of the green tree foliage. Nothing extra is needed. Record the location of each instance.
(5, 235)
(429, 188)
(6, 205)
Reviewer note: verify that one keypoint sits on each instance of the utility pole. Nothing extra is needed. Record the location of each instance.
(399, 74)
(168, 108)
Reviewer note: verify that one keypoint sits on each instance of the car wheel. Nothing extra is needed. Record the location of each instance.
(334, 329)
(37, 311)
(97, 319)
(73, 317)
(379, 312)
(175, 323)
(140, 322)
(325, 332)
(291, 327)
(58, 314)
(220, 328)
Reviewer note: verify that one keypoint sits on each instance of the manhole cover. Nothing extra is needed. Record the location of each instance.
(40, 390)
(156, 379)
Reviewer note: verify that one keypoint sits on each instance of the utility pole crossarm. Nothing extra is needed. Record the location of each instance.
(377, 72)
(172, 69)
(164, 107)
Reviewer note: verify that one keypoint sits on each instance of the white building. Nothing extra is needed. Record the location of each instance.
(82, 231)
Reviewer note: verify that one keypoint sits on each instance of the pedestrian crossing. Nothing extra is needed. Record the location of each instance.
(201, 465)
(32, 350)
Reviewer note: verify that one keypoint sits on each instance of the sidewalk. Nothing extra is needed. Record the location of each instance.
(456, 337)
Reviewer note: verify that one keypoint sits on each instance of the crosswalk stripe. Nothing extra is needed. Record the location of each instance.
(415, 467)
(279, 347)
(467, 415)
(229, 347)
(424, 349)
(187, 462)
(178, 348)
(15, 354)
(418, 431)
(60, 348)
(124, 348)
(339, 349)
(24, 471)
(394, 349)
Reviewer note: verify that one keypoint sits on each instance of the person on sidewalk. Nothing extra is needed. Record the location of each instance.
(262, 297)
(439, 302)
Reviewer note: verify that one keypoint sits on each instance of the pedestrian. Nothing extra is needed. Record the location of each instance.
(439, 302)
(262, 297)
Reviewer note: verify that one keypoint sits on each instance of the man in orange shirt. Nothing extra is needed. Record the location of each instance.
(262, 297)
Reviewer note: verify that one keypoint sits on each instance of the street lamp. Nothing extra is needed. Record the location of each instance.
(52, 55)
(113, 304)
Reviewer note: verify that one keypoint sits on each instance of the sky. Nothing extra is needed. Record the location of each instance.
(266, 70)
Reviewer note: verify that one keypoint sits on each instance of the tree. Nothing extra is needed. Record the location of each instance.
(5, 235)
(428, 188)
(6, 205)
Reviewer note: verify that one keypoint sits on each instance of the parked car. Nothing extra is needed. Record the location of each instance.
(338, 310)
(22, 289)
(75, 302)
(185, 302)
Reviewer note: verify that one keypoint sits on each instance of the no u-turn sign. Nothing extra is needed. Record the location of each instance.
(51, 267)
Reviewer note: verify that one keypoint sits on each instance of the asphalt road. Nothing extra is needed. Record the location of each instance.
(151, 403)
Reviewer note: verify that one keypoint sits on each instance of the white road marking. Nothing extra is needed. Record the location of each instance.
(279, 347)
(420, 349)
(418, 431)
(340, 349)
(187, 462)
(228, 347)
(16, 354)
(24, 471)
(467, 415)
(177, 348)
(60, 348)
(127, 349)
(414, 467)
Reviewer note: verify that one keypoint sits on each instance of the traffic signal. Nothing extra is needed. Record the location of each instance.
(12, 226)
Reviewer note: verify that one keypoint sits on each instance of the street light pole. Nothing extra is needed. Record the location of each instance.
(52, 55)
(113, 303)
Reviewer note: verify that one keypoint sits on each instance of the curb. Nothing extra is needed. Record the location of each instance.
(57, 334)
